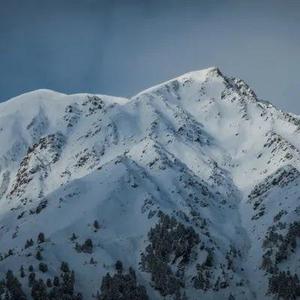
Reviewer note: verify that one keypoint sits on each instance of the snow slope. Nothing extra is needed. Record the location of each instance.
(201, 148)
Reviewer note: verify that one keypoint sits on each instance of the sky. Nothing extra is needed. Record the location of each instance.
(120, 47)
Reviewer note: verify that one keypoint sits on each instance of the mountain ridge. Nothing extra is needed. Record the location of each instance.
(198, 156)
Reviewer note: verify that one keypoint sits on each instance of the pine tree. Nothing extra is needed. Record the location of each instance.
(96, 225)
(119, 267)
(49, 283)
(41, 238)
(65, 267)
(29, 243)
(68, 280)
(56, 281)
(43, 267)
(39, 290)
(14, 287)
(87, 247)
(121, 286)
(22, 272)
(73, 237)
(31, 279)
(92, 262)
(38, 255)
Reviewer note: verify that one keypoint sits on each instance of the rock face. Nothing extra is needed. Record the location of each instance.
(188, 190)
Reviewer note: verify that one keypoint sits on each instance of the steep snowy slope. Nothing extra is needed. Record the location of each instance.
(191, 186)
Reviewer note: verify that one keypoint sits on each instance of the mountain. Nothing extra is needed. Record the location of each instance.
(188, 190)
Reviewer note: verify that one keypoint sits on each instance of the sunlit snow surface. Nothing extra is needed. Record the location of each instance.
(199, 143)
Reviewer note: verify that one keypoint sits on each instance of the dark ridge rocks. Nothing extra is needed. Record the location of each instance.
(279, 146)
(281, 178)
(41, 206)
(72, 115)
(38, 125)
(4, 183)
(86, 157)
(93, 104)
(49, 146)
(243, 88)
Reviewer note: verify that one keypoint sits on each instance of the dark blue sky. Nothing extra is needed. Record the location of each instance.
(121, 47)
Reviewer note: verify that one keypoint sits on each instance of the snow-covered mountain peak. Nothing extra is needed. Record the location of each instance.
(195, 179)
